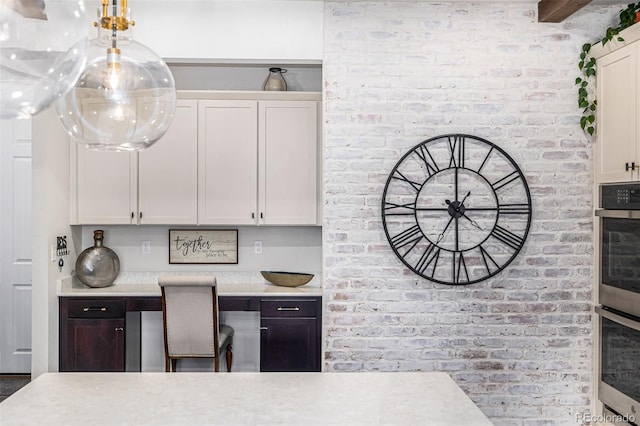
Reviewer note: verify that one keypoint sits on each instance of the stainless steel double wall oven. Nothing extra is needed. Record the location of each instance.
(619, 300)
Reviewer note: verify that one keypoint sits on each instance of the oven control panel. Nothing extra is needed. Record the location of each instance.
(620, 196)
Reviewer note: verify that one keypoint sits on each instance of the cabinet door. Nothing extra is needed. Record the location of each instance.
(288, 344)
(289, 334)
(288, 159)
(618, 123)
(227, 162)
(168, 172)
(103, 186)
(93, 345)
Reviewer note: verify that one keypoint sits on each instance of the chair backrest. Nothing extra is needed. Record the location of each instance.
(190, 315)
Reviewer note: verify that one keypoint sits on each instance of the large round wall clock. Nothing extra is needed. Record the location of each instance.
(456, 209)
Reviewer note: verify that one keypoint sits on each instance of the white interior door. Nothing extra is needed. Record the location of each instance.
(15, 247)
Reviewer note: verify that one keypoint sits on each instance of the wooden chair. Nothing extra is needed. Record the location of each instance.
(190, 320)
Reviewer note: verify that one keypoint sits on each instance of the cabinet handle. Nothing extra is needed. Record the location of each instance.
(253, 215)
(288, 309)
(132, 215)
(140, 215)
(264, 328)
(261, 215)
(633, 165)
(119, 328)
(88, 309)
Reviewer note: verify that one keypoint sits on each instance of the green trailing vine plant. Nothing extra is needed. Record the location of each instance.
(587, 101)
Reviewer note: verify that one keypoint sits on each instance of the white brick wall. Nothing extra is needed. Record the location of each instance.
(397, 73)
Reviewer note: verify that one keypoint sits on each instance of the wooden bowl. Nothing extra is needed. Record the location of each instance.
(286, 279)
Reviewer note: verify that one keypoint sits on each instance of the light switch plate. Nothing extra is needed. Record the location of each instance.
(257, 247)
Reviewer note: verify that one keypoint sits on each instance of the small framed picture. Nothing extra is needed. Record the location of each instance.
(203, 246)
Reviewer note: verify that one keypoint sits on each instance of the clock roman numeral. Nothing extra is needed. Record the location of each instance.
(393, 209)
(505, 180)
(456, 147)
(427, 159)
(408, 236)
(400, 176)
(507, 237)
(519, 208)
(458, 266)
(486, 158)
(430, 255)
(486, 258)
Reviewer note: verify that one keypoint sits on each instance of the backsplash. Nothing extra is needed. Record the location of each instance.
(293, 249)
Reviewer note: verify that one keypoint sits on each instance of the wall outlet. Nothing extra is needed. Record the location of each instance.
(146, 247)
(257, 247)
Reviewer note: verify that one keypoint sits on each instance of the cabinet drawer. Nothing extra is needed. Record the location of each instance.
(288, 308)
(236, 303)
(91, 308)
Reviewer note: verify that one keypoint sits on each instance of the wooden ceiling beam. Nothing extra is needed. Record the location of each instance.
(558, 10)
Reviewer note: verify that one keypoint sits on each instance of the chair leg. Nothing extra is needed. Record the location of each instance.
(174, 364)
(229, 358)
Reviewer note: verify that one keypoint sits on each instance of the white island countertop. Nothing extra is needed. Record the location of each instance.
(366, 398)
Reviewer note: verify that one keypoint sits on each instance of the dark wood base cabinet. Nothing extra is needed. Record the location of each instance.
(92, 331)
(289, 335)
(92, 335)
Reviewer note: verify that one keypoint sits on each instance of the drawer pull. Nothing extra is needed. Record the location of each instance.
(264, 328)
(288, 309)
(103, 309)
(119, 328)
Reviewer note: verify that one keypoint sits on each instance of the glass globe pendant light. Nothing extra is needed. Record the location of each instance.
(42, 48)
(125, 98)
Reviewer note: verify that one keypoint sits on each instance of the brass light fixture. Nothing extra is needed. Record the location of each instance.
(125, 98)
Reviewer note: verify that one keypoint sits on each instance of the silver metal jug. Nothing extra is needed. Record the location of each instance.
(275, 80)
(97, 266)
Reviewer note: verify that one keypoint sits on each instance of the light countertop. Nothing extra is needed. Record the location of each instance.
(147, 285)
(367, 398)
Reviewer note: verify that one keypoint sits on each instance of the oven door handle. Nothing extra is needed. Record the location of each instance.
(635, 325)
(619, 214)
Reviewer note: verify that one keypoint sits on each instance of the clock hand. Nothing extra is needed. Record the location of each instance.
(473, 222)
(457, 209)
(441, 236)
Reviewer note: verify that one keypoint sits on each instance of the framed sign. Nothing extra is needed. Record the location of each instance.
(203, 246)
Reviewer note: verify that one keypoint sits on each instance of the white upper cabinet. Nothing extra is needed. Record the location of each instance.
(229, 158)
(617, 151)
(168, 172)
(257, 162)
(228, 162)
(103, 186)
(155, 186)
(287, 162)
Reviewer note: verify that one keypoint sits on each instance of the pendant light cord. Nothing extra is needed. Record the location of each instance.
(114, 25)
